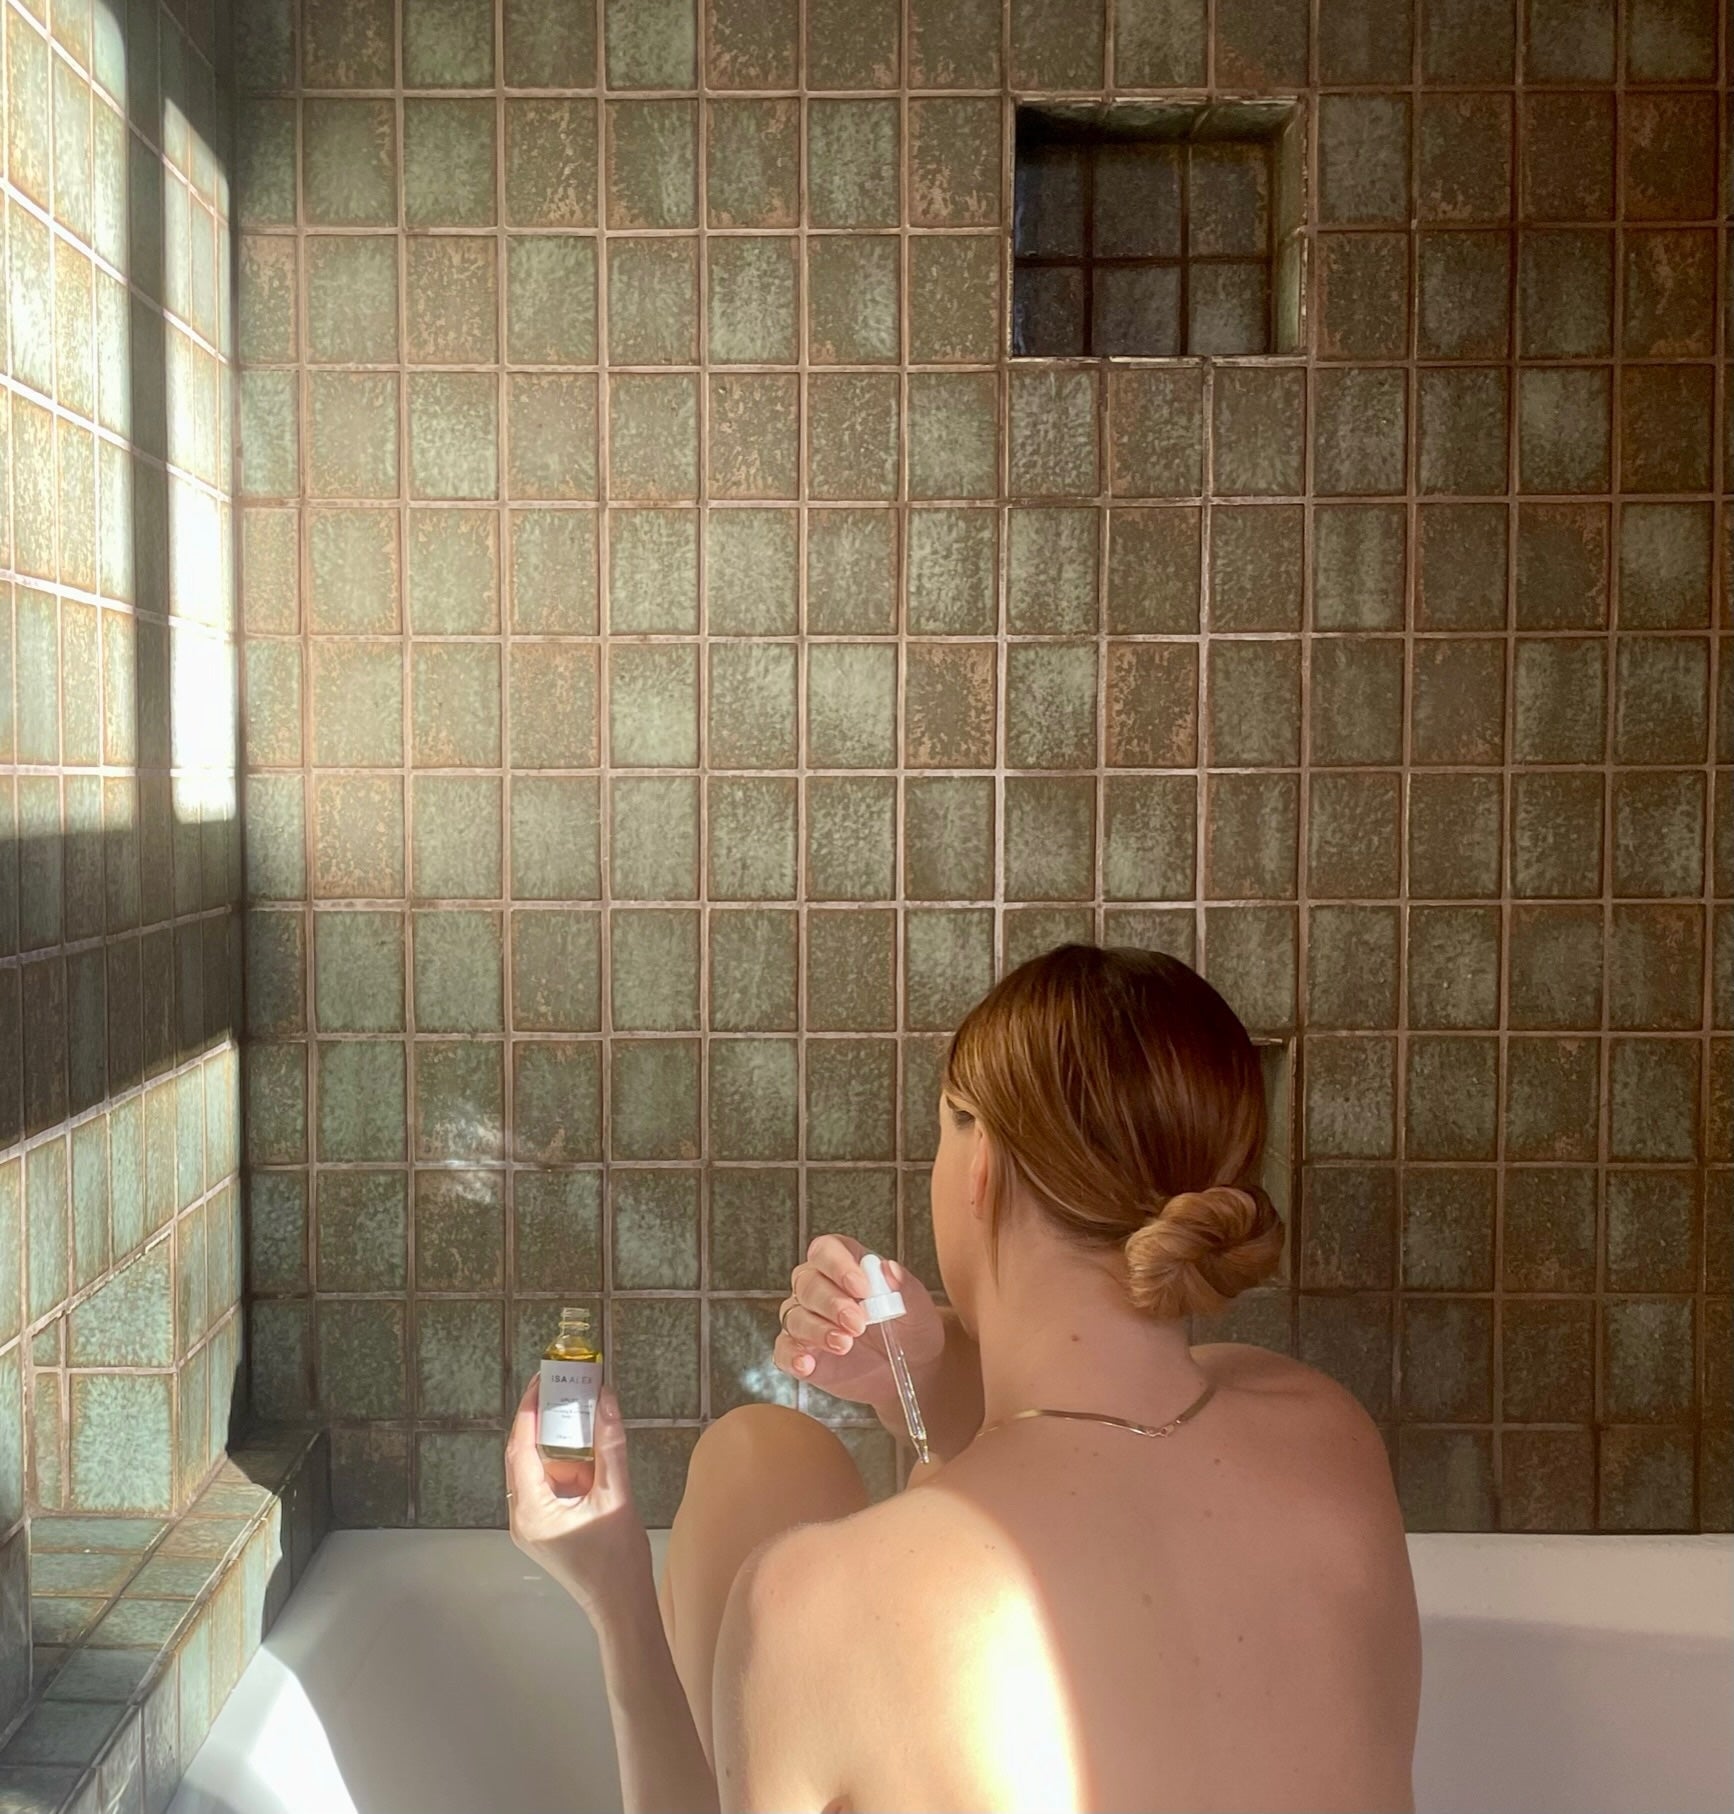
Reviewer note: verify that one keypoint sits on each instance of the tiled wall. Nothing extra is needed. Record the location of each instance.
(119, 845)
(685, 658)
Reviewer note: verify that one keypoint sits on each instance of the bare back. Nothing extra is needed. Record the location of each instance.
(1069, 1616)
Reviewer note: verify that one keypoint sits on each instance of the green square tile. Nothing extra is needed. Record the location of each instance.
(1350, 1105)
(652, 174)
(750, 572)
(850, 1101)
(452, 572)
(351, 298)
(851, 572)
(1152, 718)
(651, 46)
(362, 1218)
(448, 164)
(557, 1101)
(948, 965)
(455, 842)
(754, 1229)
(751, 300)
(1049, 838)
(753, 964)
(754, 435)
(360, 1359)
(1250, 957)
(268, 421)
(852, 435)
(549, 44)
(460, 1357)
(955, 44)
(751, 702)
(954, 163)
(129, 1320)
(450, 288)
(75, 350)
(555, 849)
(852, 46)
(654, 967)
(277, 1245)
(352, 572)
(556, 972)
(265, 166)
(457, 972)
(1052, 433)
(1052, 566)
(851, 838)
(954, 288)
(551, 300)
(654, 1099)
(361, 1100)
(654, 848)
(741, 1334)
(357, 845)
(948, 838)
(851, 705)
(453, 435)
(272, 673)
(269, 577)
(277, 1104)
(357, 694)
(852, 299)
(753, 163)
(1256, 568)
(459, 1483)
(656, 1357)
(1665, 566)
(852, 154)
(550, 163)
(552, 705)
(656, 1230)
(652, 571)
(752, 43)
(347, 45)
(1658, 835)
(653, 435)
(352, 435)
(953, 435)
(851, 971)
(558, 1224)
(1358, 561)
(120, 1443)
(653, 705)
(349, 164)
(1352, 967)
(1149, 837)
(552, 565)
(952, 588)
(358, 972)
(653, 301)
(1255, 703)
(460, 1110)
(1055, 45)
(448, 44)
(1051, 705)
(455, 704)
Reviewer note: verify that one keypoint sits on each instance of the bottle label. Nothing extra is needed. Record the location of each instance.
(568, 1403)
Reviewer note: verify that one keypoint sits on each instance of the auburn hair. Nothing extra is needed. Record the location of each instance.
(1123, 1095)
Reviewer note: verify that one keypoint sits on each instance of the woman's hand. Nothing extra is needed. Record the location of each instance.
(825, 1340)
(577, 1518)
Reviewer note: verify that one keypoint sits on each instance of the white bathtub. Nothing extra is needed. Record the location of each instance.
(436, 1672)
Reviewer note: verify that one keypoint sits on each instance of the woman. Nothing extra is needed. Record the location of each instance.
(1141, 1574)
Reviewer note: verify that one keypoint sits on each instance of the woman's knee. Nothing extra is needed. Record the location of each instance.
(757, 1446)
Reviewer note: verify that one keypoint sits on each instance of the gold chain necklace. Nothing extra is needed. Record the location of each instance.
(1118, 1423)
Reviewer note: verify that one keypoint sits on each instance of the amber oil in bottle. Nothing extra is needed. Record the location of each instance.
(571, 1381)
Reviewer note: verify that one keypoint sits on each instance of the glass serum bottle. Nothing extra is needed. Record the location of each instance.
(571, 1382)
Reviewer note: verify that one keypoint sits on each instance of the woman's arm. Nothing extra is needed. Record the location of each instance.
(577, 1519)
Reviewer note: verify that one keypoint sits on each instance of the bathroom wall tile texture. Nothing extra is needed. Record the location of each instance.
(120, 850)
(686, 658)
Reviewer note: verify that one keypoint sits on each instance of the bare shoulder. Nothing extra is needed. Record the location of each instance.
(1333, 1422)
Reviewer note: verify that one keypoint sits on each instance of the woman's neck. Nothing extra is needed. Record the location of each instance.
(1064, 1337)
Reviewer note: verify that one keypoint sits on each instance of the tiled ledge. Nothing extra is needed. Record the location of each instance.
(143, 1626)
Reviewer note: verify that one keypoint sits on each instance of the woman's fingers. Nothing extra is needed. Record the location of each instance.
(526, 1478)
(838, 1258)
(816, 1331)
(793, 1358)
(820, 1297)
(613, 1477)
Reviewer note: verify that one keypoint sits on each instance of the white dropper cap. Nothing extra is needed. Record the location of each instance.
(881, 1304)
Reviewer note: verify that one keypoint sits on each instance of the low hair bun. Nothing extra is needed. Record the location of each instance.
(1201, 1248)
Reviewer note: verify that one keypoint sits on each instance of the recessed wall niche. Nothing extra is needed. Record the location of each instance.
(1157, 230)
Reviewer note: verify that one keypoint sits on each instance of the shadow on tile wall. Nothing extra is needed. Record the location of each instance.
(686, 658)
(120, 854)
